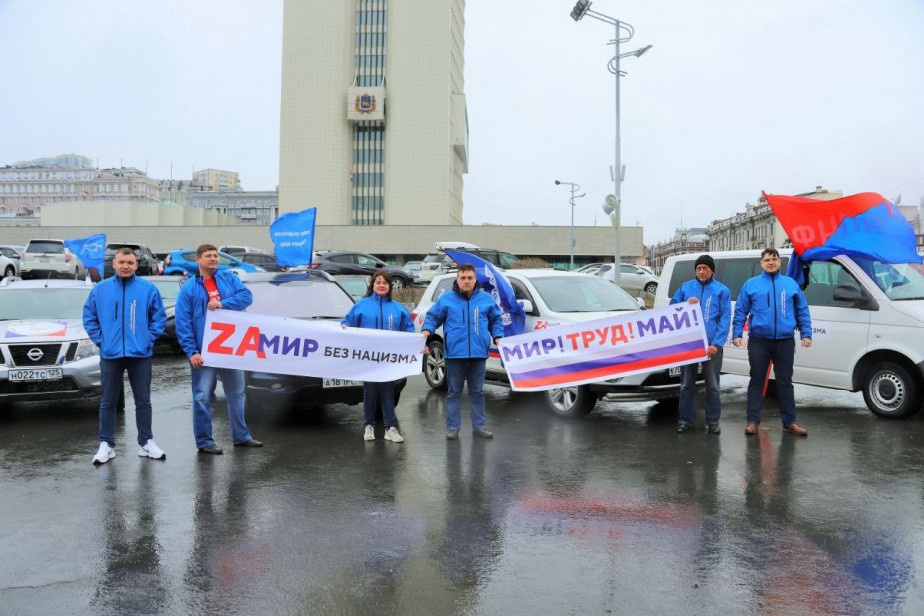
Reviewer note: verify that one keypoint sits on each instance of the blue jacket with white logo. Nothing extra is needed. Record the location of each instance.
(715, 302)
(124, 316)
(776, 306)
(470, 323)
(192, 307)
(376, 312)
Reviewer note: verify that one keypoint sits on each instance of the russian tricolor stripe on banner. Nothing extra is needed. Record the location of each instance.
(593, 351)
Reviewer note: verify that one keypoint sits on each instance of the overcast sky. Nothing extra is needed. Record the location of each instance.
(735, 97)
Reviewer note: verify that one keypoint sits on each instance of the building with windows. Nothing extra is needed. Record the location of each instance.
(684, 241)
(26, 187)
(258, 207)
(215, 179)
(756, 226)
(373, 127)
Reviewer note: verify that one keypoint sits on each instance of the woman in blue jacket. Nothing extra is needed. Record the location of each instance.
(379, 311)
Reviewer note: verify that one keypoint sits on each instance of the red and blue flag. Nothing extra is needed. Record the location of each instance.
(865, 225)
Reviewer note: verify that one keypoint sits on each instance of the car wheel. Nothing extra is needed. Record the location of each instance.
(10, 271)
(435, 366)
(651, 288)
(570, 402)
(398, 282)
(890, 391)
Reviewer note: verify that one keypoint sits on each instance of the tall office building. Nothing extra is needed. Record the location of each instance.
(373, 125)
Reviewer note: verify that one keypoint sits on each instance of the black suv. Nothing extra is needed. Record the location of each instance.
(346, 262)
(148, 264)
(309, 295)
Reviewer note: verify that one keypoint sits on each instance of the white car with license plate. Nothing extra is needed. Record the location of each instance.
(45, 353)
(550, 299)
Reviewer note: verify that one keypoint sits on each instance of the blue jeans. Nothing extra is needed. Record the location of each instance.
(458, 372)
(139, 375)
(761, 351)
(372, 393)
(203, 382)
(711, 370)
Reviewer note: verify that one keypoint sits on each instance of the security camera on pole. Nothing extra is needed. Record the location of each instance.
(574, 189)
(624, 32)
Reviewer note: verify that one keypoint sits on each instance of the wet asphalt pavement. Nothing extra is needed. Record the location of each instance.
(615, 513)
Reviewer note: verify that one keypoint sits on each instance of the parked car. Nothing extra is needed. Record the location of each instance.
(266, 260)
(867, 324)
(10, 259)
(50, 259)
(550, 299)
(414, 268)
(346, 262)
(148, 265)
(236, 250)
(312, 295)
(169, 287)
(632, 278)
(357, 285)
(439, 262)
(184, 262)
(45, 354)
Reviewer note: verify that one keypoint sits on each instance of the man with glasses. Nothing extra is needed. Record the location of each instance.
(774, 306)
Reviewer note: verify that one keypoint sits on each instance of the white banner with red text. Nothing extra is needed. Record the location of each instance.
(603, 349)
(264, 343)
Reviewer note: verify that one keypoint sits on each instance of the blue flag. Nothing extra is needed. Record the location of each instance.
(293, 237)
(91, 250)
(499, 287)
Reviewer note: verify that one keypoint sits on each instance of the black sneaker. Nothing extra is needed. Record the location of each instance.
(714, 429)
(452, 435)
(212, 449)
(483, 433)
(684, 428)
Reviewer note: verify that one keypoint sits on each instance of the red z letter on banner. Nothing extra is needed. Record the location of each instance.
(215, 346)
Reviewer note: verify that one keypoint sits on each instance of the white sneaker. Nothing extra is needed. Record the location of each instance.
(104, 454)
(393, 435)
(151, 450)
(369, 434)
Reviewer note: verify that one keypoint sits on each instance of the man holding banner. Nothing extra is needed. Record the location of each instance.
(715, 301)
(471, 321)
(776, 307)
(211, 289)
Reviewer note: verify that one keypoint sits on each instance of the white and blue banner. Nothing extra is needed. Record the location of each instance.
(293, 237)
(264, 343)
(597, 350)
(91, 250)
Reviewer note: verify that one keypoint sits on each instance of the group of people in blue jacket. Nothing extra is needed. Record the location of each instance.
(773, 307)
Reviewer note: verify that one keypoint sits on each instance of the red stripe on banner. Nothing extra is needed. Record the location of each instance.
(607, 371)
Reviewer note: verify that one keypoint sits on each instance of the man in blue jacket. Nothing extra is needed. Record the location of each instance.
(715, 302)
(123, 316)
(471, 322)
(211, 289)
(776, 307)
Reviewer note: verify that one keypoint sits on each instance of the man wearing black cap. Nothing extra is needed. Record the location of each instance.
(715, 302)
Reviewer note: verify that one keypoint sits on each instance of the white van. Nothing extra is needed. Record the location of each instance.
(867, 322)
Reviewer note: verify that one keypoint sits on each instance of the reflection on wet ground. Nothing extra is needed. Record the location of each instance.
(616, 513)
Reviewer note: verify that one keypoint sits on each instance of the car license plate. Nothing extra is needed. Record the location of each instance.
(329, 383)
(675, 371)
(36, 374)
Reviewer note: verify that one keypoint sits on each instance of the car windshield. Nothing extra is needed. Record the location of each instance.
(434, 258)
(582, 294)
(300, 299)
(41, 303)
(899, 281)
(169, 289)
(357, 287)
(52, 247)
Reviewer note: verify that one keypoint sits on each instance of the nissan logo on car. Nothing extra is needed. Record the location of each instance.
(35, 354)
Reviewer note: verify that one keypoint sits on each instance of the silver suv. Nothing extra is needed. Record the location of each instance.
(45, 353)
(51, 259)
(553, 298)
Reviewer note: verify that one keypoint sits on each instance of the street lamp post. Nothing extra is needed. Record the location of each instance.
(574, 189)
(624, 32)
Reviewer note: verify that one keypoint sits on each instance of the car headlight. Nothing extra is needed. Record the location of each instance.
(85, 349)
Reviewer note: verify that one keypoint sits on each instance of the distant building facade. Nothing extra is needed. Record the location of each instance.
(360, 157)
(216, 179)
(26, 187)
(756, 226)
(258, 207)
(684, 241)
